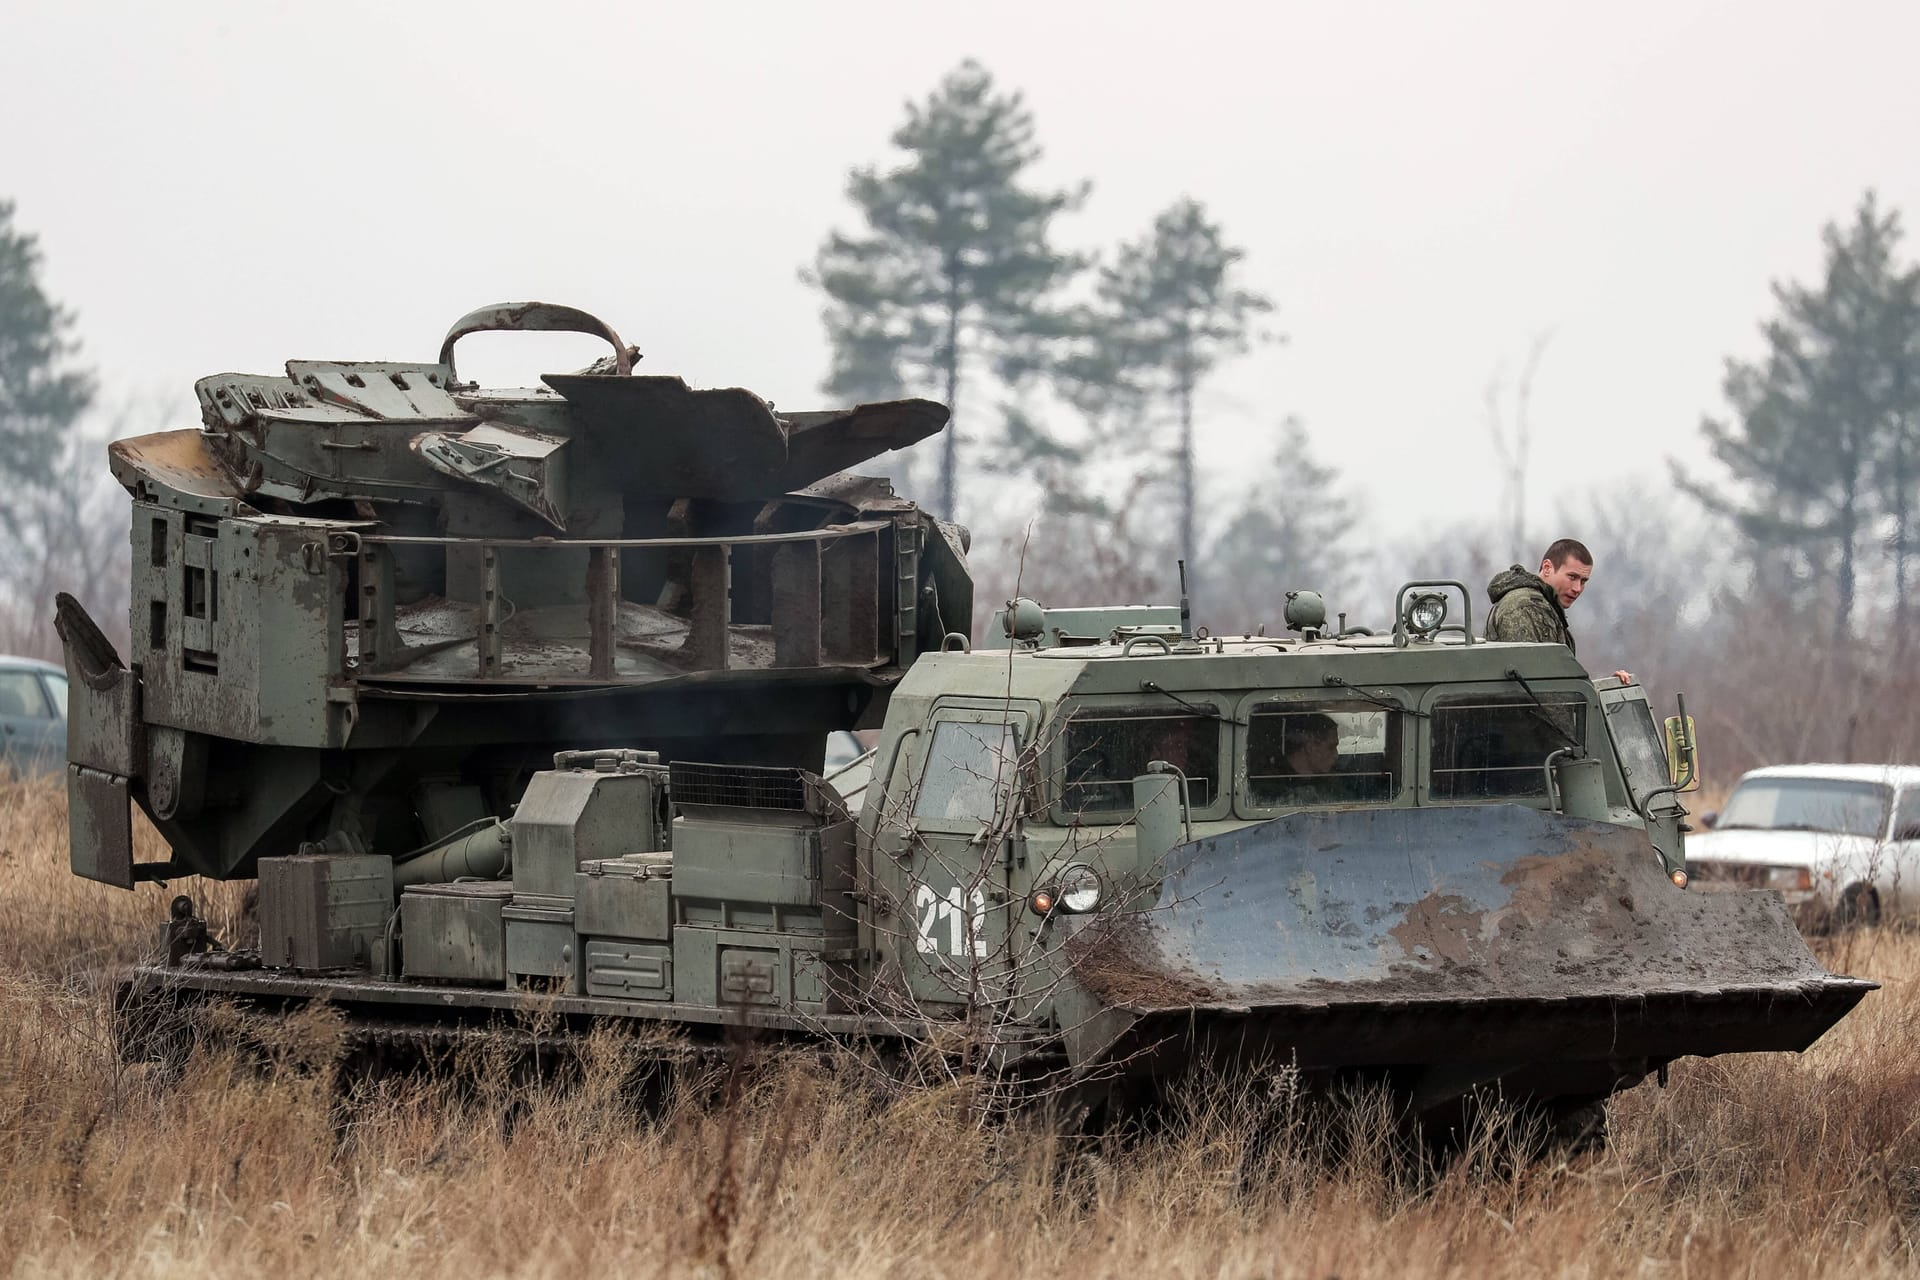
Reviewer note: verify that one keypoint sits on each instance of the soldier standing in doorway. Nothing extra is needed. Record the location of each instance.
(1532, 607)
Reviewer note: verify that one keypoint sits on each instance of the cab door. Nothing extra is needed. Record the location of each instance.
(958, 835)
(1641, 750)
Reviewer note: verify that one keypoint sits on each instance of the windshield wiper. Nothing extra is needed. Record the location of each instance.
(1195, 707)
(1540, 712)
(1378, 701)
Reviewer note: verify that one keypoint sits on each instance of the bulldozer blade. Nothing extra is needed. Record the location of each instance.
(1487, 942)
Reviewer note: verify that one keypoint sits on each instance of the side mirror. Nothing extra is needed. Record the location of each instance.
(1710, 819)
(1683, 758)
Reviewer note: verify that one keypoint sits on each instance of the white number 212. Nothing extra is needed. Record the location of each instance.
(934, 909)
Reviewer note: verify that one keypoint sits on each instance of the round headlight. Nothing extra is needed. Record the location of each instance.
(1425, 613)
(1077, 889)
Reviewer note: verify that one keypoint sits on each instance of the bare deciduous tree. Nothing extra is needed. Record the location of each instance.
(1513, 439)
(70, 534)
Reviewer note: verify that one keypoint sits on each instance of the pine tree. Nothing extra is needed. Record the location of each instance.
(1295, 530)
(955, 265)
(1819, 439)
(1169, 309)
(39, 398)
(1897, 461)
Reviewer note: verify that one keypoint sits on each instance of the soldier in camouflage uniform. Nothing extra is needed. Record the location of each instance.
(1532, 607)
(1525, 608)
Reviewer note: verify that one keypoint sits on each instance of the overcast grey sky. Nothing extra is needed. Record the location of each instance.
(1422, 188)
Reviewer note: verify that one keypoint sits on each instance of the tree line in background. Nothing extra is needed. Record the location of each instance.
(955, 288)
(1822, 447)
(1081, 373)
(1777, 596)
(64, 519)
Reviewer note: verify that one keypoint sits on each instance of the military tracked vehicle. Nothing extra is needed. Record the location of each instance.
(517, 700)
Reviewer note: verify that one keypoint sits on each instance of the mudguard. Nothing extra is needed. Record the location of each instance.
(1472, 942)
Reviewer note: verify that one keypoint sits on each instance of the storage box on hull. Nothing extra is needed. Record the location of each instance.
(454, 932)
(324, 911)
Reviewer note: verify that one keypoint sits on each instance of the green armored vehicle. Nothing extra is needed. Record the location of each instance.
(517, 700)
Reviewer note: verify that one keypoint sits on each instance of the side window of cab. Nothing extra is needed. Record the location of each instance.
(1305, 754)
(970, 773)
(1494, 746)
(1103, 748)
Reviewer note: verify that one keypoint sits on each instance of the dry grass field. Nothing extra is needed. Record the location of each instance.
(1773, 1166)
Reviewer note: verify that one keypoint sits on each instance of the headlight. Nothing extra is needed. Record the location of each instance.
(1425, 612)
(1079, 889)
(1076, 890)
(1789, 878)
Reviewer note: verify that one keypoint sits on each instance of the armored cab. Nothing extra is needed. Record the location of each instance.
(1416, 856)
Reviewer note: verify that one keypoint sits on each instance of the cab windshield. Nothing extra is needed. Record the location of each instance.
(1107, 749)
(1640, 747)
(1494, 746)
(1330, 753)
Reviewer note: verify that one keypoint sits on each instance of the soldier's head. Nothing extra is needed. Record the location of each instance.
(1313, 744)
(1175, 739)
(1566, 568)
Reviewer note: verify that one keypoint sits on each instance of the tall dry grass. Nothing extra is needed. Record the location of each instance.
(1754, 1166)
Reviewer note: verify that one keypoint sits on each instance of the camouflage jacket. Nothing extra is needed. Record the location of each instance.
(1526, 608)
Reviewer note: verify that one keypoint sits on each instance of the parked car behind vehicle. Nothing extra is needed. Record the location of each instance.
(1839, 842)
(33, 716)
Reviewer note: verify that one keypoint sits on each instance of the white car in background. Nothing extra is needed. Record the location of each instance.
(1839, 842)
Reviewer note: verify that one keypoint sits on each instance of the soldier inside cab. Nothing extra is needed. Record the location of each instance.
(1314, 748)
(1305, 769)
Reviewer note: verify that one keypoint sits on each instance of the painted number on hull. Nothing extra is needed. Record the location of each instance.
(934, 910)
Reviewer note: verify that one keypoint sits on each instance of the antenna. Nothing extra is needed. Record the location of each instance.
(1186, 610)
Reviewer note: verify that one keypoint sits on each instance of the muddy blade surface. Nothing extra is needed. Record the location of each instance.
(1495, 935)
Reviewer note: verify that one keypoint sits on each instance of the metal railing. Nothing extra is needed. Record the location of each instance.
(820, 591)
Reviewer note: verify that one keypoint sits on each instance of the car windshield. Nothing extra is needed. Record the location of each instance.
(1808, 804)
